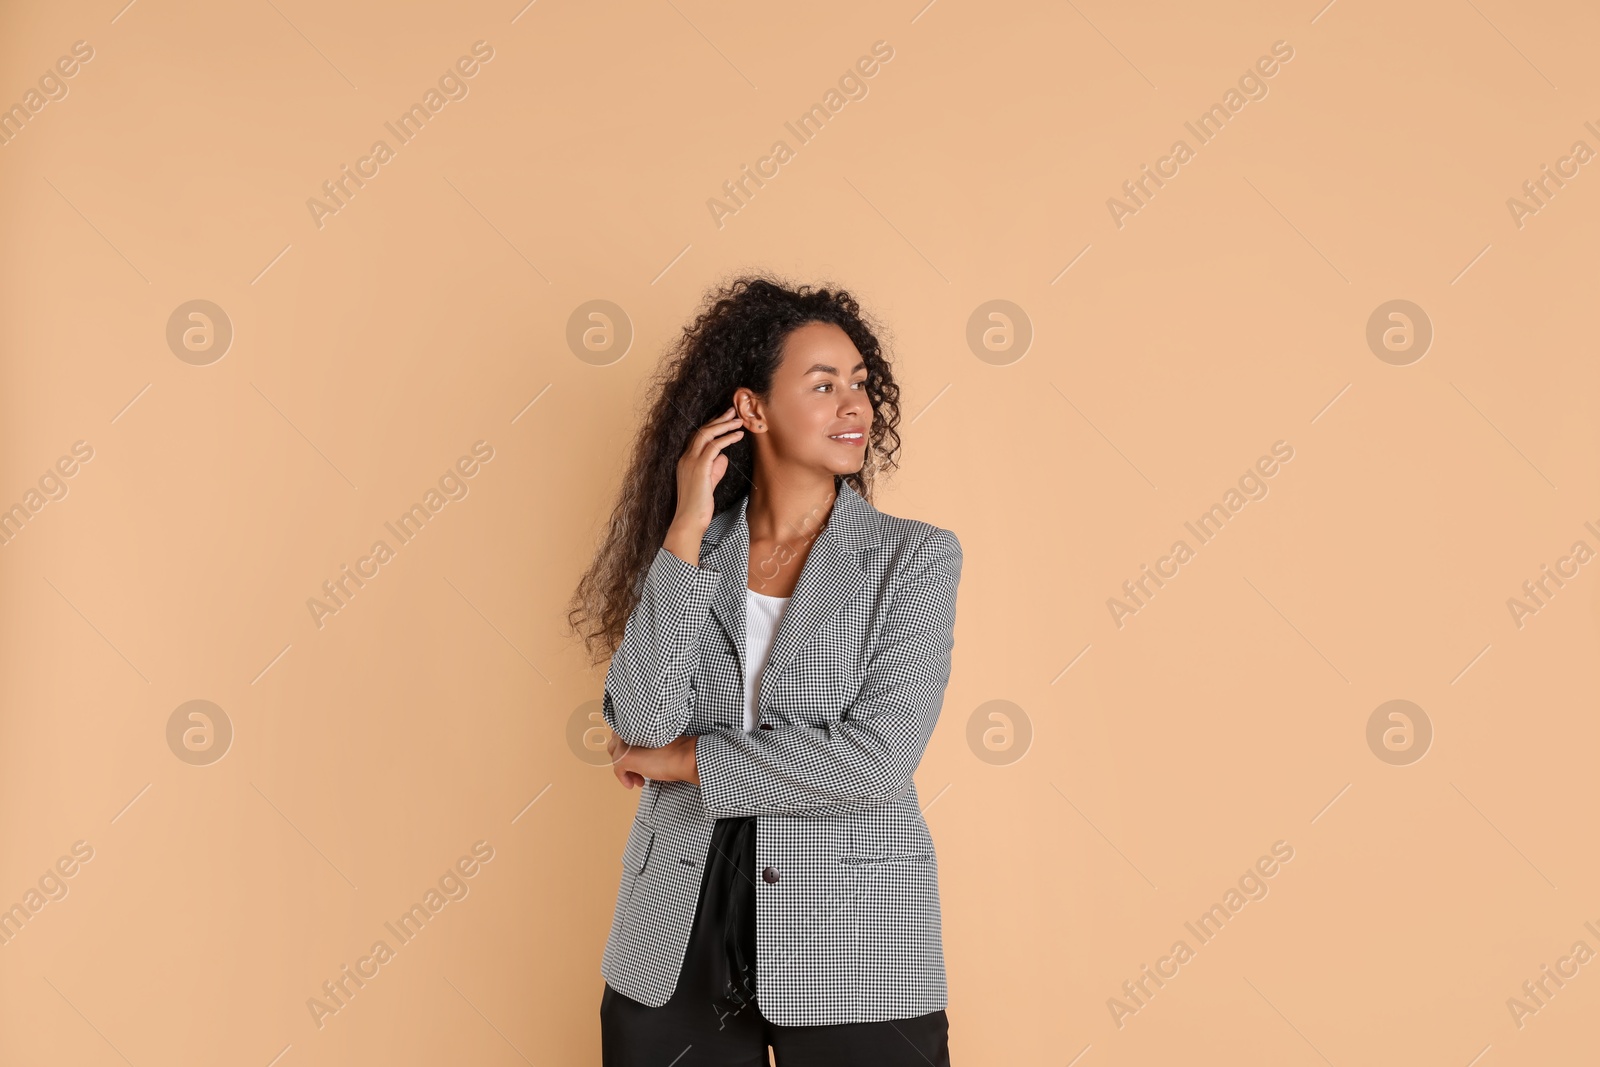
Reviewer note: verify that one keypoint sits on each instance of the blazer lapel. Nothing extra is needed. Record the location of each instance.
(831, 575)
(731, 558)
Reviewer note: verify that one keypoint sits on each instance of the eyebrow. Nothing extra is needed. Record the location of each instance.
(824, 368)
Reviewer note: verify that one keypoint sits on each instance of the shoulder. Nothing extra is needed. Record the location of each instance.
(902, 545)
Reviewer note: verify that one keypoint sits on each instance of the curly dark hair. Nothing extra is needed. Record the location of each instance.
(736, 340)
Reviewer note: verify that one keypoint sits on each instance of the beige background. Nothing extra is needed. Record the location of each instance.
(432, 311)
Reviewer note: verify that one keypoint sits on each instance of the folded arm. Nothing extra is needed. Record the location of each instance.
(868, 757)
(647, 697)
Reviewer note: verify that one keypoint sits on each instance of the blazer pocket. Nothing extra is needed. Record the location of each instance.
(888, 857)
(641, 838)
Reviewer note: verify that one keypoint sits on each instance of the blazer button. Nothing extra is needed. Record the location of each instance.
(766, 726)
(768, 875)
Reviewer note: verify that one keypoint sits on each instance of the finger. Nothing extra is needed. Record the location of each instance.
(623, 760)
(715, 426)
(708, 442)
(697, 464)
(722, 442)
(720, 422)
(715, 446)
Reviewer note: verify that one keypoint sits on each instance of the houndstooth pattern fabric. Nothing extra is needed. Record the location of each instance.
(850, 930)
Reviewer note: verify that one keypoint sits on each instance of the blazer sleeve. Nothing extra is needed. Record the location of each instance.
(647, 696)
(869, 756)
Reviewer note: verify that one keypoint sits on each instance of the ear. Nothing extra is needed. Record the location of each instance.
(748, 408)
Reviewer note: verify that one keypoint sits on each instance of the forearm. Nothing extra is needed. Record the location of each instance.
(866, 756)
(648, 698)
(802, 771)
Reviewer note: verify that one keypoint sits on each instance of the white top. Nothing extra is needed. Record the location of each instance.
(762, 614)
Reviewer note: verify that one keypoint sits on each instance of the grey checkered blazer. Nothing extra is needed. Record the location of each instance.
(847, 885)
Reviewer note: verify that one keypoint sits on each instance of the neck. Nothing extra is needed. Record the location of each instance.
(789, 507)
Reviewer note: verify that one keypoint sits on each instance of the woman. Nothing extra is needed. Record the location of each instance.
(781, 649)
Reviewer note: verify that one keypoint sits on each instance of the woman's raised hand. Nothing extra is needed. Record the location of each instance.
(700, 468)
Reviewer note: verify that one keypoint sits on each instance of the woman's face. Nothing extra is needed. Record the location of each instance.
(818, 415)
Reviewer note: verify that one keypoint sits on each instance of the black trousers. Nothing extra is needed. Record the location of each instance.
(714, 1019)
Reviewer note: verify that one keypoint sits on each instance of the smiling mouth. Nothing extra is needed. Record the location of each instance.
(848, 438)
